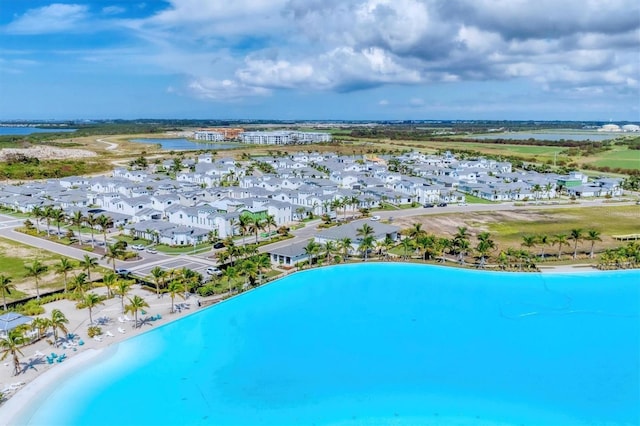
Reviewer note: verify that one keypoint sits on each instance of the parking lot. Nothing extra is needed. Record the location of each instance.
(194, 264)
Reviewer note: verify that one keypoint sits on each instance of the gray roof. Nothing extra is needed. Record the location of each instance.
(12, 320)
(350, 230)
(291, 250)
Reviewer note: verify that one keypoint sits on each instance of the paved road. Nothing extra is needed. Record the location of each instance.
(201, 261)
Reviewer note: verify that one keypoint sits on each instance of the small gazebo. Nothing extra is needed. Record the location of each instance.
(12, 320)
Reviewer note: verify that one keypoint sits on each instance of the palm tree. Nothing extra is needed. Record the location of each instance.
(113, 252)
(529, 241)
(462, 247)
(576, 236)
(104, 222)
(329, 249)
(47, 214)
(364, 231)
(416, 230)
(560, 240)
(6, 287)
(593, 236)
(89, 263)
(174, 289)
(63, 268)
(35, 270)
(109, 280)
(243, 224)
(366, 245)
(58, 216)
(90, 301)
(485, 245)
(270, 221)
(41, 325)
(263, 263)
(57, 322)
(407, 245)
(230, 273)
(158, 275)
(79, 282)
(90, 220)
(122, 288)
(311, 249)
(250, 271)
(136, 304)
(344, 244)
(77, 219)
(543, 240)
(256, 225)
(11, 346)
(37, 213)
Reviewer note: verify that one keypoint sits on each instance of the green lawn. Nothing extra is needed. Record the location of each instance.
(620, 156)
(609, 220)
(471, 199)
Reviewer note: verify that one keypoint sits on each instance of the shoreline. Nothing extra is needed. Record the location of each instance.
(14, 408)
(38, 375)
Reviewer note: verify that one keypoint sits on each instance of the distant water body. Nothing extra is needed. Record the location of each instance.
(31, 130)
(377, 343)
(182, 144)
(552, 136)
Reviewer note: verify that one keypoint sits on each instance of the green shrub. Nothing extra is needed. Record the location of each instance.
(32, 307)
(93, 331)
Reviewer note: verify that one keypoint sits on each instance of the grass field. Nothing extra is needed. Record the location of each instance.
(620, 156)
(13, 258)
(508, 227)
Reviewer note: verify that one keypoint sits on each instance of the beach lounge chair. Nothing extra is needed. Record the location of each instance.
(97, 338)
(108, 333)
(61, 358)
(38, 354)
(121, 330)
(120, 319)
(126, 318)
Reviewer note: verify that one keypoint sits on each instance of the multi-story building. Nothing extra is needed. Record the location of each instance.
(284, 137)
(217, 134)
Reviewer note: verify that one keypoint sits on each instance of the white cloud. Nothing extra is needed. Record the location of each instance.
(113, 10)
(212, 89)
(48, 19)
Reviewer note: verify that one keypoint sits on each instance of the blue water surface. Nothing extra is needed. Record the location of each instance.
(27, 130)
(378, 344)
(186, 144)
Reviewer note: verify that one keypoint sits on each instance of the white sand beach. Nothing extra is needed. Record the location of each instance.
(38, 374)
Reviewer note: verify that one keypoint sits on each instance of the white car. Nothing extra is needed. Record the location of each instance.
(137, 247)
(375, 217)
(152, 250)
(214, 270)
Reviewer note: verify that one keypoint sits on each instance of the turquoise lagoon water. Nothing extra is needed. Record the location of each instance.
(378, 344)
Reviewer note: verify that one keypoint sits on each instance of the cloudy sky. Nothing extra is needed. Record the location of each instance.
(321, 59)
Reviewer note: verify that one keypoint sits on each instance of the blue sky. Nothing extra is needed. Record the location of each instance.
(321, 59)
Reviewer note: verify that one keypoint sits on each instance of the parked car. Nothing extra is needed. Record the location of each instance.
(218, 245)
(462, 204)
(428, 205)
(125, 273)
(442, 204)
(376, 217)
(152, 250)
(137, 247)
(214, 270)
